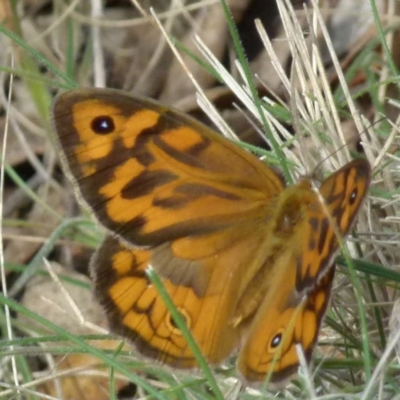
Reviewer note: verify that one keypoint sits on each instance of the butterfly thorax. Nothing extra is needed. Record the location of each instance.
(289, 221)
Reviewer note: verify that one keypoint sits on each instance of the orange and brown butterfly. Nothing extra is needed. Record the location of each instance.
(247, 261)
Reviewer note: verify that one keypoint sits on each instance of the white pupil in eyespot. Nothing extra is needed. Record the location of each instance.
(276, 340)
(353, 196)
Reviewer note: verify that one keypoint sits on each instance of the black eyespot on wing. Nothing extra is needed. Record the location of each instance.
(103, 125)
(353, 196)
(173, 323)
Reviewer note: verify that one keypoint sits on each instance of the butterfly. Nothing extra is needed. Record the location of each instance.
(247, 261)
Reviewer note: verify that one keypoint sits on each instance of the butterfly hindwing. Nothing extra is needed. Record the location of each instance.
(204, 293)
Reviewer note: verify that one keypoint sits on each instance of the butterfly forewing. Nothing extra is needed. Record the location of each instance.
(341, 195)
(150, 174)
